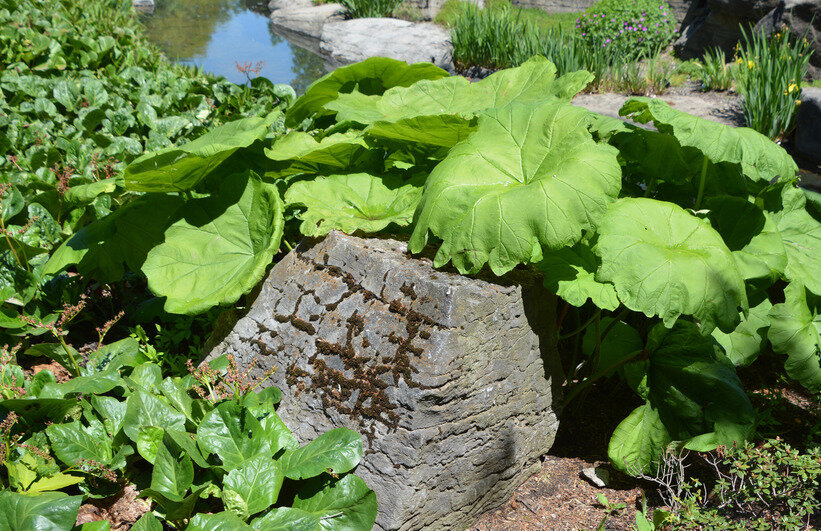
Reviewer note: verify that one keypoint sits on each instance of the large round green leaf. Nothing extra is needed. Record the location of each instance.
(666, 262)
(371, 76)
(570, 273)
(533, 82)
(306, 154)
(760, 158)
(180, 168)
(639, 441)
(796, 332)
(531, 175)
(744, 344)
(751, 235)
(357, 201)
(801, 234)
(220, 247)
(693, 396)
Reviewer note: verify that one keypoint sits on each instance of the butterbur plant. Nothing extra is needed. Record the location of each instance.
(664, 247)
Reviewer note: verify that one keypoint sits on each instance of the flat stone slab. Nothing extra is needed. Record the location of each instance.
(350, 41)
(302, 24)
(443, 375)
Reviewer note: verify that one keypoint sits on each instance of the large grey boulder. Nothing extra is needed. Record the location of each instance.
(715, 23)
(808, 125)
(444, 375)
(302, 25)
(350, 41)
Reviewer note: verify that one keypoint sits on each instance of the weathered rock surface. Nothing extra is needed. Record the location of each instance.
(442, 374)
(350, 41)
(808, 126)
(143, 6)
(708, 23)
(556, 6)
(302, 24)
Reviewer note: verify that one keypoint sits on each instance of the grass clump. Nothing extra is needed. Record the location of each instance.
(769, 73)
(369, 8)
(715, 73)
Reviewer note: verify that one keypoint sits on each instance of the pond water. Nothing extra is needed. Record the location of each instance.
(218, 34)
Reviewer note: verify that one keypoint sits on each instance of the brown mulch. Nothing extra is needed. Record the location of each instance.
(60, 373)
(558, 497)
(121, 510)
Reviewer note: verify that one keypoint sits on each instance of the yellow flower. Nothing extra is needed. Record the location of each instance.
(798, 102)
(750, 65)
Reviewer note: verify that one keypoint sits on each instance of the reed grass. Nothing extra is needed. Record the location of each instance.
(770, 70)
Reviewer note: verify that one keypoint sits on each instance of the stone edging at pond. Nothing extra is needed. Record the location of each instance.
(323, 30)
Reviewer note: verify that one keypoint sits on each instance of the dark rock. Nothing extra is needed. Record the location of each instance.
(716, 23)
(803, 19)
(808, 126)
(444, 375)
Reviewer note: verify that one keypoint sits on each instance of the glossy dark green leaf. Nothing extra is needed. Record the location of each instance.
(224, 521)
(234, 434)
(53, 511)
(287, 519)
(171, 476)
(73, 444)
(344, 504)
(338, 451)
(256, 483)
(147, 522)
(143, 409)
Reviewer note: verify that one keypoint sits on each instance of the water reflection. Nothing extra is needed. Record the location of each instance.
(218, 34)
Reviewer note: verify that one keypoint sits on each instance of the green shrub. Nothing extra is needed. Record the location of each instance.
(631, 28)
(770, 70)
(715, 73)
(369, 8)
(754, 487)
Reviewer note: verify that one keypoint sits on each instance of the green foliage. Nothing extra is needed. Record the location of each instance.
(716, 74)
(770, 69)
(82, 94)
(692, 227)
(210, 433)
(629, 28)
(369, 8)
(766, 486)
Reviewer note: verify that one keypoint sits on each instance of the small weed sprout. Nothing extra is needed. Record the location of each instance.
(232, 384)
